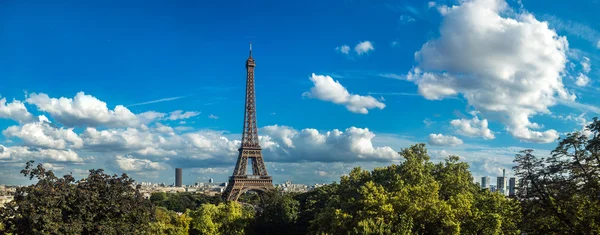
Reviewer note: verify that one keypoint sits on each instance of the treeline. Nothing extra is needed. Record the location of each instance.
(559, 194)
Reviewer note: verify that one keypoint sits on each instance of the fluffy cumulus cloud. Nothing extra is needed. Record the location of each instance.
(473, 128)
(444, 140)
(363, 47)
(24, 153)
(42, 134)
(507, 68)
(285, 144)
(582, 80)
(327, 89)
(83, 110)
(128, 163)
(15, 110)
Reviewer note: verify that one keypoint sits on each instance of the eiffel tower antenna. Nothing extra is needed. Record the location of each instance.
(240, 182)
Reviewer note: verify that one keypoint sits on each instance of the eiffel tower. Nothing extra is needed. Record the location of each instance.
(260, 181)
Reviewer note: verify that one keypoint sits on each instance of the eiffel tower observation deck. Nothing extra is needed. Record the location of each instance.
(250, 151)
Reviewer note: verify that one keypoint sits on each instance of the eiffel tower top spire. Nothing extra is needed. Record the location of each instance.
(250, 132)
(250, 61)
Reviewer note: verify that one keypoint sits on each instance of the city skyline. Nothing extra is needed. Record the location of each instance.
(155, 86)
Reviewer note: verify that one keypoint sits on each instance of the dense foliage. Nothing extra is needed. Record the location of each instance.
(181, 202)
(170, 223)
(559, 194)
(98, 204)
(415, 197)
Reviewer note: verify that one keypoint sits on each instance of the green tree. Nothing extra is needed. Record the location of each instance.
(169, 222)
(98, 204)
(229, 218)
(279, 213)
(561, 194)
(158, 197)
(181, 202)
(415, 197)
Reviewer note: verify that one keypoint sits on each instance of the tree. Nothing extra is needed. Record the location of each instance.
(98, 204)
(229, 218)
(415, 197)
(158, 197)
(169, 222)
(279, 213)
(181, 202)
(561, 194)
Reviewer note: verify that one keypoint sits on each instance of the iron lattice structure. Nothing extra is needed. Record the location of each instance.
(240, 181)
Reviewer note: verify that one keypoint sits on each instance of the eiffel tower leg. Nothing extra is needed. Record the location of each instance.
(254, 167)
(241, 165)
(261, 169)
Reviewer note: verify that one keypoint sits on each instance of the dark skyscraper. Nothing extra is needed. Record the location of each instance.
(512, 186)
(178, 177)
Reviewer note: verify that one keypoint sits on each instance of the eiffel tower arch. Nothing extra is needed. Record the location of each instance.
(240, 182)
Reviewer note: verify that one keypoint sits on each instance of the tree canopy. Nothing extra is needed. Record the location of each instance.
(98, 204)
(560, 194)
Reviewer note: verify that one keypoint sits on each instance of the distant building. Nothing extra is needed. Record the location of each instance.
(501, 183)
(485, 182)
(211, 180)
(178, 177)
(512, 186)
(493, 188)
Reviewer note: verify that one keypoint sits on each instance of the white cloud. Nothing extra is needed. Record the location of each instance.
(442, 140)
(53, 167)
(582, 80)
(586, 66)
(42, 134)
(128, 163)
(15, 110)
(431, 4)
(213, 116)
(509, 69)
(344, 49)
(473, 128)
(326, 89)
(598, 44)
(286, 144)
(83, 110)
(163, 129)
(363, 47)
(116, 140)
(22, 153)
(150, 116)
(179, 114)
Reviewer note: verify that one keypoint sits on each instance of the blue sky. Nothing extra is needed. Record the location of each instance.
(145, 86)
